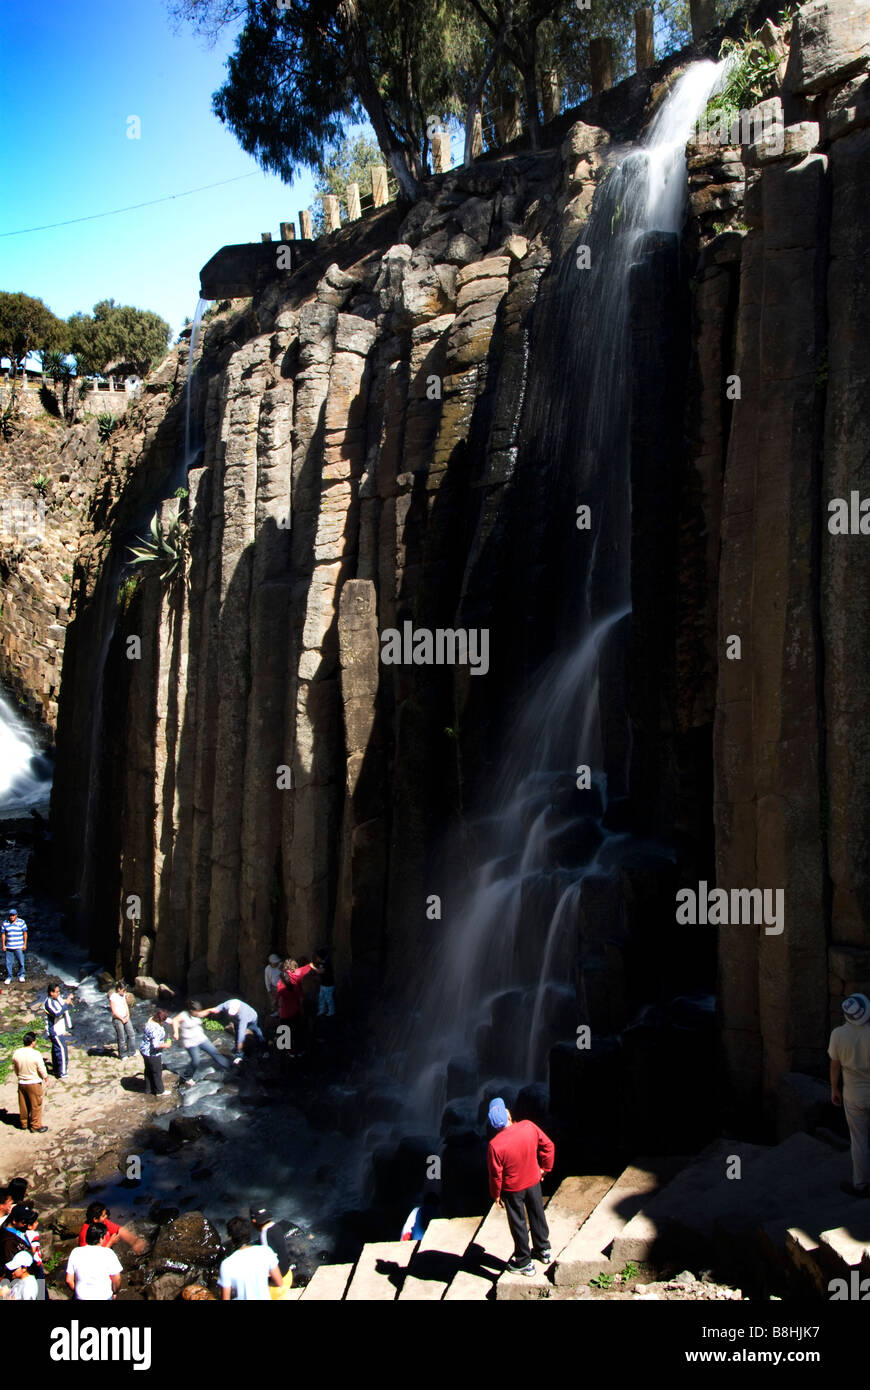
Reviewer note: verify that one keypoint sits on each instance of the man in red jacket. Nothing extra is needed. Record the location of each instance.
(518, 1157)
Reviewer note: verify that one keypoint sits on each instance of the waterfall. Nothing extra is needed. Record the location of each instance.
(25, 771)
(201, 306)
(500, 989)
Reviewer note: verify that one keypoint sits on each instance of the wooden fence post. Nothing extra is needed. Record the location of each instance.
(601, 65)
(380, 192)
(644, 41)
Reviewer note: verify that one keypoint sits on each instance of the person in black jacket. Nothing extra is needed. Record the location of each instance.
(14, 1237)
(58, 1025)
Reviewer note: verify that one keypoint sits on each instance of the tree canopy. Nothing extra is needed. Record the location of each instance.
(27, 326)
(303, 71)
(118, 337)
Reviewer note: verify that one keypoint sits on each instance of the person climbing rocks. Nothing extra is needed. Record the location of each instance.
(98, 1212)
(119, 1009)
(270, 1234)
(326, 997)
(32, 1075)
(152, 1045)
(849, 1051)
(13, 937)
(290, 1002)
(244, 1018)
(188, 1030)
(518, 1157)
(271, 976)
(93, 1271)
(250, 1270)
(57, 1026)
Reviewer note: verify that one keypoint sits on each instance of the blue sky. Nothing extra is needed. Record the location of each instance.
(71, 76)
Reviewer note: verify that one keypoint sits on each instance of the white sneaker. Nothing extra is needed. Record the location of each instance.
(21, 979)
(8, 980)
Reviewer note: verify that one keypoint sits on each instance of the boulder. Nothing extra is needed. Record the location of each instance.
(186, 1128)
(186, 1242)
(167, 1286)
(462, 250)
(106, 1170)
(68, 1221)
(145, 987)
(475, 218)
(830, 41)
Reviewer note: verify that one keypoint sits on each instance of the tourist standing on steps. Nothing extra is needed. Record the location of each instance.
(93, 1271)
(152, 1047)
(57, 1027)
(849, 1051)
(119, 1008)
(187, 1029)
(32, 1077)
(518, 1157)
(243, 1017)
(13, 936)
(271, 976)
(249, 1271)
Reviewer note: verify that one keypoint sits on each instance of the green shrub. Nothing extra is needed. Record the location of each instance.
(105, 425)
(166, 548)
(751, 77)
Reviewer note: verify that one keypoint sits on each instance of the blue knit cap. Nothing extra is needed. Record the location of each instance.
(498, 1115)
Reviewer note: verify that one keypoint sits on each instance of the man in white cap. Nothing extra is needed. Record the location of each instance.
(849, 1051)
(271, 976)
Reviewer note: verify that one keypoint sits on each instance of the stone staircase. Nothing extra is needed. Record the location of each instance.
(771, 1219)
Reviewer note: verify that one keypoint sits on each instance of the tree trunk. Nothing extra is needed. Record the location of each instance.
(530, 89)
(477, 93)
(348, 15)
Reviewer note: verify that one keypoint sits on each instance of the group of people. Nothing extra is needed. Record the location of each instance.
(256, 1266)
(291, 1002)
(21, 1269)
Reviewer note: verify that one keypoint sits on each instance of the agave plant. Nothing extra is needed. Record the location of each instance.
(164, 547)
(105, 425)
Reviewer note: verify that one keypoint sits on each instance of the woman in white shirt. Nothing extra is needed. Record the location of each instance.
(93, 1271)
(119, 1007)
(190, 1032)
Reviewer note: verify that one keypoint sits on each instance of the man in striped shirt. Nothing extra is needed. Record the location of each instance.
(14, 942)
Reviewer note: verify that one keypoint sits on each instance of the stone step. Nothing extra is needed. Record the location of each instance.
(588, 1253)
(569, 1207)
(380, 1271)
(692, 1199)
(438, 1257)
(484, 1260)
(328, 1283)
